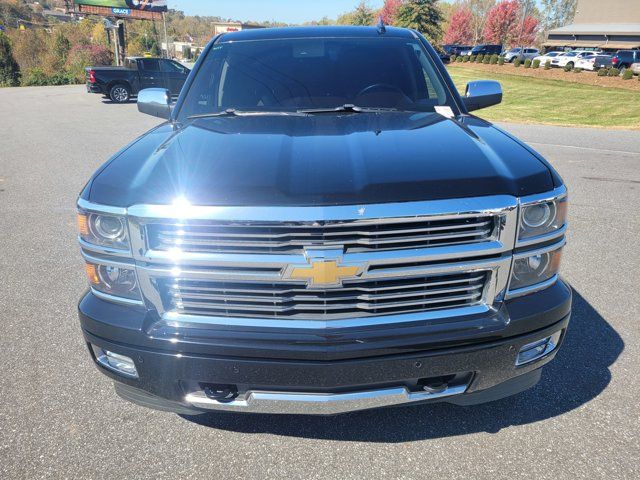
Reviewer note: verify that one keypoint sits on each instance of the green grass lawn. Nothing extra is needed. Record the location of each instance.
(533, 100)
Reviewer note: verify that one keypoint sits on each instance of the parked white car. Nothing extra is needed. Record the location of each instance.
(587, 62)
(547, 57)
(635, 68)
(570, 58)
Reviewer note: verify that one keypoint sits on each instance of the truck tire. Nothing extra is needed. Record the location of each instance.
(119, 93)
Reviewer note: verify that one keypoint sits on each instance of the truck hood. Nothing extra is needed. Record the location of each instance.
(319, 160)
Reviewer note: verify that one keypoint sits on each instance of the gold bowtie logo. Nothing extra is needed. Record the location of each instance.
(324, 273)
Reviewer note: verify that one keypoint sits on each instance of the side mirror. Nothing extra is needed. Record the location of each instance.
(482, 94)
(155, 102)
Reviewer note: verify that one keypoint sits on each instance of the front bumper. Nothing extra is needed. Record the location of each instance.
(173, 373)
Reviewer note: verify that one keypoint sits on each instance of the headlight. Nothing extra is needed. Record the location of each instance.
(116, 281)
(542, 218)
(103, 230)
(536, 268)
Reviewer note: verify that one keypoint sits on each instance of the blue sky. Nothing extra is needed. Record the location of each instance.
(289, 11)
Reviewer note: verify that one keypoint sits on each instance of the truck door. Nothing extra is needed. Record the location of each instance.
(150, 74)
(175, 74)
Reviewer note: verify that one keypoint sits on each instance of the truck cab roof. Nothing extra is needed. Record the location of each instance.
(315, 32)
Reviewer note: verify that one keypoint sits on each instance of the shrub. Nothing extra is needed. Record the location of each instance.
(535, 64)
(459, 59)
(472, 58)
(547, 65)
(614, 72)
(34, 78)
(494, 59)
(501, 60)
(568, 68)
(82, 56)
(9, 69)
(486, 59)
(453, 58)
(516, 62)
(627, 74)
(527, 63)
(480, 58)
(576, 70)
(465, 59)
(603, 72)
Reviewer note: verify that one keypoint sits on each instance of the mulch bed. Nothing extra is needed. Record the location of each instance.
(584, 77)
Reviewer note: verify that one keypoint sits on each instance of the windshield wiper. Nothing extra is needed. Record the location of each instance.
(232, 112)
(348, 108)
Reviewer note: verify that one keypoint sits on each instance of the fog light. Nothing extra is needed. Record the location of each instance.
(115, 362)
(534, 351)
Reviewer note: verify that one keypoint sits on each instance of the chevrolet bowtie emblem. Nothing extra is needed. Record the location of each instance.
(324, 273)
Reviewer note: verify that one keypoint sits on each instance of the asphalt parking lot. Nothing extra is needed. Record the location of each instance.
(60, 418)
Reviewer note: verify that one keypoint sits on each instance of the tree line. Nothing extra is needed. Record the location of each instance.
(35, 50)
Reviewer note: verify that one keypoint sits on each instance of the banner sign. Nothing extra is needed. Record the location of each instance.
(119, 12)
(121, 5)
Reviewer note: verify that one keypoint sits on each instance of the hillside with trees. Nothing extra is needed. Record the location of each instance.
(38, 48)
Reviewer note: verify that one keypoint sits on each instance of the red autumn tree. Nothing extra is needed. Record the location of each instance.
(502, 23)
(390, 10)
(460, 29)
(527, 31)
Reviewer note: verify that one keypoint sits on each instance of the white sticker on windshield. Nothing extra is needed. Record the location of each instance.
(445, 111)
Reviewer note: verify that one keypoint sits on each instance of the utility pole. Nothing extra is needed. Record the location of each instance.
(166, 39)
(524, 17)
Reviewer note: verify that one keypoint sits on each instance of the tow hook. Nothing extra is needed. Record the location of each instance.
(220, 393)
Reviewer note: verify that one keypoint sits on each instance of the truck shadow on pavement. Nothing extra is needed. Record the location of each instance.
(579, 373)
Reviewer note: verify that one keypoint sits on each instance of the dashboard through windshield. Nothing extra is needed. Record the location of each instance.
(316, 73)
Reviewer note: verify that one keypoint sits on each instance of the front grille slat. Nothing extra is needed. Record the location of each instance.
(318, 297)
(195, 243)
(362, 297)
(292, 238)
(226, 232)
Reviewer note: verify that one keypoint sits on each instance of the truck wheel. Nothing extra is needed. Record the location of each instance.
(119, 93)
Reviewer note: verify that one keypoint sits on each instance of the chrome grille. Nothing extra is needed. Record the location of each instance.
(357, 298)
(292, 238)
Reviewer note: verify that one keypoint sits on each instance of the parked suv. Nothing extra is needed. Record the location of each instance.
(486, 49)
(521, 53)
(321, 226)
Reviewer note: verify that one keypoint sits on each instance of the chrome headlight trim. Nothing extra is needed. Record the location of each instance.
(120, 263)
(557, 195)
(519, 292)
(88, 209)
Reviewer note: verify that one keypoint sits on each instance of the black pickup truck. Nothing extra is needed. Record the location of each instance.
(121, 83)
(321, 226)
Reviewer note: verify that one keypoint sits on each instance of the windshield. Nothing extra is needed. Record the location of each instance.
(514, 50)
(316, 73)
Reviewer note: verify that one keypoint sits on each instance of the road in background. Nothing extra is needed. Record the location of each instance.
(59, 417)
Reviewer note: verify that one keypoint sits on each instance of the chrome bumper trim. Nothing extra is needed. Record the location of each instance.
(292, 403)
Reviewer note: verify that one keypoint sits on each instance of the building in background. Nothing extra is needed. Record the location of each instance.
(608, 25)
(226, 27)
